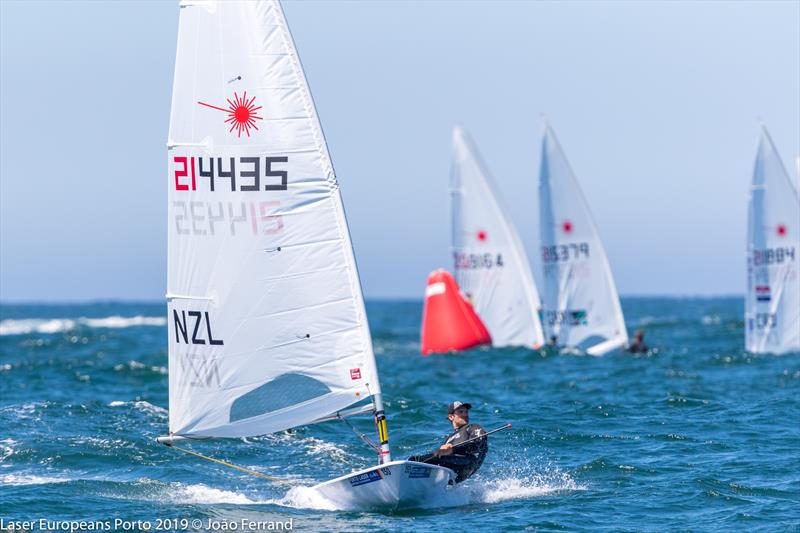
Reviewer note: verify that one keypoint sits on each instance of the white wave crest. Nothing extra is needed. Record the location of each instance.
(315, 446)
(141, 405)
(29, 479)
(57, 325)
(35, 325)
(150, 408)
(6, 449)
(124, 322)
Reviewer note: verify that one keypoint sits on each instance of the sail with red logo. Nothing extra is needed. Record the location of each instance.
(581, 306)
(449, 323)
(267, 325)
(772, 307)
(490, 264)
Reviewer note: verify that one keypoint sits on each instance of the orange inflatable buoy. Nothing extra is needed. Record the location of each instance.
(448, 321)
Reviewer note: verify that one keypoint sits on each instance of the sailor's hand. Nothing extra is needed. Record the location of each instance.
(446, 449)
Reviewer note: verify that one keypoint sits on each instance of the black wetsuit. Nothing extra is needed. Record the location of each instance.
(637, 346)
(465, 460)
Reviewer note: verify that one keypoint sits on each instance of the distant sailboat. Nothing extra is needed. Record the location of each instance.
(490, 264)
(581, 306)
(772, 312)
(267, 326)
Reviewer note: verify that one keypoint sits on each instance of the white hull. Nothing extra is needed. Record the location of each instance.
(394, 485)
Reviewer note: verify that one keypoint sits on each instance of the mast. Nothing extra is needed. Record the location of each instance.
(383, 435)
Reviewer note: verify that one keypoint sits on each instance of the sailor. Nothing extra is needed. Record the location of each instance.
(637, 345)
(463, 460)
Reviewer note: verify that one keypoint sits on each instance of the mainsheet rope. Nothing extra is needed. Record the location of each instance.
(237, 467)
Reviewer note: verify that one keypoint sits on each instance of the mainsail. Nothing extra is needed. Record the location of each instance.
(772, 313)
(267, 327)
(490, 263)
(581, 305)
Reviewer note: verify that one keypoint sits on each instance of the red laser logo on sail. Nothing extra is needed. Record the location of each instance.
(241, 113)
(482, 235)
(567, 226)
(781, 229)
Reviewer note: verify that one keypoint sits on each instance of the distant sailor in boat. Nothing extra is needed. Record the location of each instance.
(463, 460)
(637, 345)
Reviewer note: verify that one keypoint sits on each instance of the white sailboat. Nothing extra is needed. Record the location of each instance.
(491, 267)
(581, 304)
(267, 326)
(772, 307)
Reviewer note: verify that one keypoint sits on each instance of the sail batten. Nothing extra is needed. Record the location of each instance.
(257, 226)
(490, 264)
(580, 306)
(772, 306)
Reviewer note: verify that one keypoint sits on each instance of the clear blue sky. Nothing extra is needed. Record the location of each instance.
(656, 105)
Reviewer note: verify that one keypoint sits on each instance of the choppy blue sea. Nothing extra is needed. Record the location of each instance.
(695, 435)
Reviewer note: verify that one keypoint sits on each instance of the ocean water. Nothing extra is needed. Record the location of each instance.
(695, 435)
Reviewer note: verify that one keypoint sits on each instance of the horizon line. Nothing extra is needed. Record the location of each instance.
(114, 300)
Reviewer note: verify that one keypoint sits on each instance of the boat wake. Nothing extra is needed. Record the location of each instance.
(309, 498)
(476, 491)
(178, 493)
(518, 478)
(200, 494)
(305, 498)
(499, 490)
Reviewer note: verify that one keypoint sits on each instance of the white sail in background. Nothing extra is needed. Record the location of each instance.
(581, 305)
(267, 327)
(797, 165)
(491, 267)
(772, 312)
